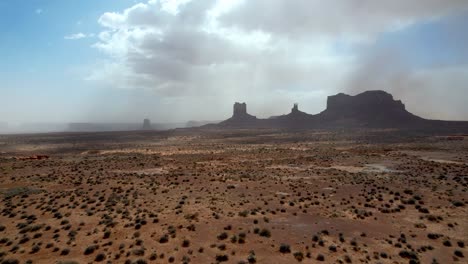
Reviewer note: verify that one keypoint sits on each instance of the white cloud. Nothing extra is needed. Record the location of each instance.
(78, 36)
(189, 49)
(38, 11)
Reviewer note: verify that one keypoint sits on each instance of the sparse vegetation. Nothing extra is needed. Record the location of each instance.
(125, 204)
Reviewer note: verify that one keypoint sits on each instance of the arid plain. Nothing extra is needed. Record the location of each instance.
(239, 196)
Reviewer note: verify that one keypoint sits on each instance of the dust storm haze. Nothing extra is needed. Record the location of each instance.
(177, 61)
(233, 131)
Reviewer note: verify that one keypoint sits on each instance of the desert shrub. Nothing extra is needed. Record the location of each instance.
(222, 236)
(139, 242)
(10, 261)
(265, 233)
(163, 239)
(100, 257)
(234, 239)
(138, 252)
(423, 210)
(23, 239)
(107, 234)
(252, 258)
(65, 252)
(433, 236)
(284, 248)
(35, 249)
(222, 246)
(298, 256)
(185, 243)
(408, 254)
(222, 258)
(185, 259)
(244, 213)
(153, 256)
(90, 249)
(315, 238)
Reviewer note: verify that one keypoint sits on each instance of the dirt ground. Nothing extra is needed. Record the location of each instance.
(244, 196)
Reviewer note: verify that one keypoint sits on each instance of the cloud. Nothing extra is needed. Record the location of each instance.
(78, 36)
(187, 51)
(260, 51)
(38, 11)
(354, 19)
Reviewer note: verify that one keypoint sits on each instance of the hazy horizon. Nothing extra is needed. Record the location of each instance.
(175, 61)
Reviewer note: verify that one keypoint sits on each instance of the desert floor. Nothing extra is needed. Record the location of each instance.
(239, 196)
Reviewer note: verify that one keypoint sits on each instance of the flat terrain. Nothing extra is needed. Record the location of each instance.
(240, 196)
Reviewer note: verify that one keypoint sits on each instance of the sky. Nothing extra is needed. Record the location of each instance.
(180, 60)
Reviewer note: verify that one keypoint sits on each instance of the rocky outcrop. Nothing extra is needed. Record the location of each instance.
(371, 108)
(295, 118)
(147, 124)
(239, 109)
(240, 117)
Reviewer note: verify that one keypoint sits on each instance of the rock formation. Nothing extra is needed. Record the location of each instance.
(239, 109)
(295, 119)
(371, 109)
(295, 108)
(240, 117)
(147, 124)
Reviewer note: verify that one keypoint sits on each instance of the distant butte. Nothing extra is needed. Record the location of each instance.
(371, 109)
(240, 117)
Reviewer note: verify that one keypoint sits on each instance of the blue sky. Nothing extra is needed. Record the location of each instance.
(38, 68)
(432, 44)
(138, 60)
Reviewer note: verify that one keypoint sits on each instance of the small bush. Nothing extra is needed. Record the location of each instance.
(222, 258)
(222, 236)
(185, 243)
(265, 233)
(284, 248)
(90, 250)
(100, 257)
(163, 239)
(299, 256)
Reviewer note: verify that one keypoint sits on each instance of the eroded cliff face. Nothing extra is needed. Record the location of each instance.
(240, 117)
(371, 107)
(371, 100)
(147, 124)
(239, 109)
(377, 109)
